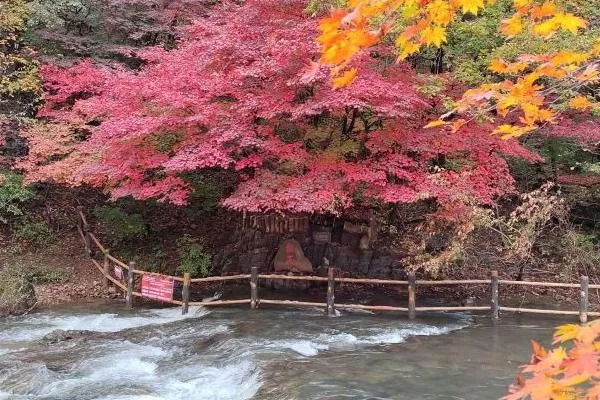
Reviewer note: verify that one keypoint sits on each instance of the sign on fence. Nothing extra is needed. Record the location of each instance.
(157, 287)
(119, 272)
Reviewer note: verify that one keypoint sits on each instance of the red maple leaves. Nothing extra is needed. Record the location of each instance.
(240, 92)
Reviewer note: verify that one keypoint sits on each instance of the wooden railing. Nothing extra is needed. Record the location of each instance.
(127, 285)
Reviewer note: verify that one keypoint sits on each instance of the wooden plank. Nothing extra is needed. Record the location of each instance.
(371, 281)
(545, 284)
(109, 277)
(87, 240)
(142, 272)
(371, 308)
(81, 215)
(220, 278)
(97, 242)
(458, 308)
(118, 262)
(292, 303)
(495, 301)
(293, 277)
(219, 302)
(81, 233)
(457, 282)
(539, 311)
(175, 302)
(412, 300)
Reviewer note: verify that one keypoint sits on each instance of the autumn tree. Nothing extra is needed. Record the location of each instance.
(531, 89)
(255, 100)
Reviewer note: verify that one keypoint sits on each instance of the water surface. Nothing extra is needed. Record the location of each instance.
(158, 354)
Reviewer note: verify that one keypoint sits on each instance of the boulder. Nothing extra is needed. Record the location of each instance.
(17, 294)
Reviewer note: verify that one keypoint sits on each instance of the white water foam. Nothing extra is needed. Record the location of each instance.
(309, 347)
(38, 325)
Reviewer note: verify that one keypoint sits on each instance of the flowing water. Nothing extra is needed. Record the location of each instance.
(155, 354)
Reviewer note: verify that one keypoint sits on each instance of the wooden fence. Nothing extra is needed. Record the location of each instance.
(126, 284)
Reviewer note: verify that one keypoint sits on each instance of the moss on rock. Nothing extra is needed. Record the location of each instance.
(17, 294)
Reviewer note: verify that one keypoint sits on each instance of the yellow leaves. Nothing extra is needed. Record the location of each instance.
(512, 26)
(545, 10)
(564, 21)
(433, 35)
(579, 103)
(569, 371)
(500, 66)
(470, 6)
(568, 57)
(439, 12)
(521, 5)
(533, 114)
(434, 124)
(345, 79)
(570, 22)
(509, 131)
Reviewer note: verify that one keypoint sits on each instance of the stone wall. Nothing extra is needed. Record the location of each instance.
(342, 249)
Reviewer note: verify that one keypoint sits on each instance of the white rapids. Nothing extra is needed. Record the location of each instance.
(158, 354)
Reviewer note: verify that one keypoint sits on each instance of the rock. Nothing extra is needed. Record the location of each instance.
(60, 335)
(290, 257)
(17, 294)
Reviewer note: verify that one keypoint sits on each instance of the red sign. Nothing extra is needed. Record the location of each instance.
(157, 287)
(119, 273)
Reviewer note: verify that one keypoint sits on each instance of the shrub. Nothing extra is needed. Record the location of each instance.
(13, 195)
(36, 233)
(121, 226)
(17, 294)
(40, 274)
(192, 257)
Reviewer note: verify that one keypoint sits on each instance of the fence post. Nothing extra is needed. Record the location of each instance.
(495, 306)
(87, 240)
(129, 297)
(330, 292)
(106, 269)
(583, 300)
(412, 301)
(253, 287)
(185, 293)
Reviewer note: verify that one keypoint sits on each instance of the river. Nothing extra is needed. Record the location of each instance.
(235, 353)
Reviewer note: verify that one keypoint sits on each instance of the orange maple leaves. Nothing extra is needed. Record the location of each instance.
(532, 83)
(567, 372)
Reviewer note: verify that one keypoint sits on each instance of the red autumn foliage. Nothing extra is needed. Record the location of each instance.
(241, 91)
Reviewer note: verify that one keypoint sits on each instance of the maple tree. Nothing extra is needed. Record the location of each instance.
(568, 371)
(531, 85)
(251, 100)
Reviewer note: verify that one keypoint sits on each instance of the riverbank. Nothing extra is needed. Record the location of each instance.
(73, 280)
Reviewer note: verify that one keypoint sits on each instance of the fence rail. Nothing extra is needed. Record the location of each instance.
(126, 282)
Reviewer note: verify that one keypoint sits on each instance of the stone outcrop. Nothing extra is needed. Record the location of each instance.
(290, 257)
